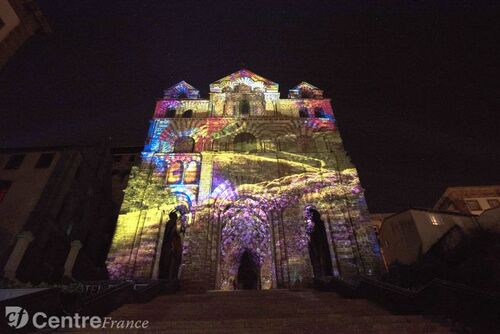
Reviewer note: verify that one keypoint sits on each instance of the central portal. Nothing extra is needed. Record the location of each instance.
(248, 272)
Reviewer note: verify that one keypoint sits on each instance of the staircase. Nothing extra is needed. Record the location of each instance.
(268, 311)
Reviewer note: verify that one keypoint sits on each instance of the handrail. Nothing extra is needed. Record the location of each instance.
(105, 301)
(439, 296)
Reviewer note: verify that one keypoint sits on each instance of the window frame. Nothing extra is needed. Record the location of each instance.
(44, 164)
(12, 164)
(5, 186)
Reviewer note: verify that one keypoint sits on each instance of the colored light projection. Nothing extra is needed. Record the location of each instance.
(244, 186)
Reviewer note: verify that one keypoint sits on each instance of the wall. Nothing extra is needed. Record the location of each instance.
(430, 233)
(9, 18)
(405, 236)
(28, 183)
(399, 239)
(22, 20)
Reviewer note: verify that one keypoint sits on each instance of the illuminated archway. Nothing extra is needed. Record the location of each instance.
(245, 141)
(245, 228)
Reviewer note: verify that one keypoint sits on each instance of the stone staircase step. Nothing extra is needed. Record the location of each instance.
(268, 311)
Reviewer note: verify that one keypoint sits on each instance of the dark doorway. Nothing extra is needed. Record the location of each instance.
(171, 251)
(187, 114)
(248, 272)
(318, 247)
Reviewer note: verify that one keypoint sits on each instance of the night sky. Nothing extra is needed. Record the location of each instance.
(414, 84)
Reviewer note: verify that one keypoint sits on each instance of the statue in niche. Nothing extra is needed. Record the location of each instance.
(171, 251)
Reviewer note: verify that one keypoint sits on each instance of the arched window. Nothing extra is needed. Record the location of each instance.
(184, 145)
(187, 114)
(191, 173)
(244, 107)
(319, 112)
(175, 172)
(245, 142)
(303, 113)
(170, 113)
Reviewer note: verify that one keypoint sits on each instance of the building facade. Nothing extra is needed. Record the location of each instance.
(243, 190)
(19, 20)
(408, 235)
(123, 159)
(57, 214)
(471, 200)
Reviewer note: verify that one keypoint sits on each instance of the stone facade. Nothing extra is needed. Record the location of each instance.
(244, 174)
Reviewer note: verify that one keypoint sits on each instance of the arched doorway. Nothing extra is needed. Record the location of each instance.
(248, 277)
(319, 251)
(245, 258)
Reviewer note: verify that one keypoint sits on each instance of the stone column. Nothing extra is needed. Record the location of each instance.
(23, 240)
(76, 245)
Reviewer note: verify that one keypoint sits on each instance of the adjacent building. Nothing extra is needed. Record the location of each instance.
(57, 215)
(472, 200)
(19, 20)
(259, 189)
(123, 159)
(408, 235)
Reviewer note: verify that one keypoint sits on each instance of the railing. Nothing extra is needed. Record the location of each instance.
(91, 288)
(99, 298)
(439, 297)
(102, 297)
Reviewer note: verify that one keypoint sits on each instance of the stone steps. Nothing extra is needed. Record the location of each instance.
(271, 311)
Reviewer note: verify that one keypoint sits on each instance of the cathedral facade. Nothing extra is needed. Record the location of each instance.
(244, 190)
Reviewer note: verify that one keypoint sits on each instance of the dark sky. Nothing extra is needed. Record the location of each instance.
(414, 84)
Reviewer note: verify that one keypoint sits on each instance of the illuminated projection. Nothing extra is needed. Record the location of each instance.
(244, 190)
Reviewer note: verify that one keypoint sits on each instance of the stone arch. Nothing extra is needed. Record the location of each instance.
(184, 144)
(244, 227)
(245, 142)
(188, 113)
(233, 216)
